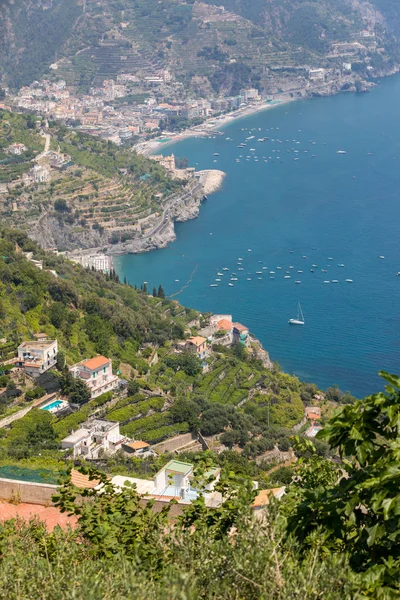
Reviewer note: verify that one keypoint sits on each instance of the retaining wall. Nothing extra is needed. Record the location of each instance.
(27, 491)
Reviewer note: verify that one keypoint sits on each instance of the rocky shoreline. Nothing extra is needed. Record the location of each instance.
(49, 234)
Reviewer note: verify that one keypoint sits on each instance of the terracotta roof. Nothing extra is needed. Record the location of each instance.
(82, 481)
(197, 340)
(240, 327)
(224, 324)
(313, 416)
(95, 363)
(137, 445)
(263, 496)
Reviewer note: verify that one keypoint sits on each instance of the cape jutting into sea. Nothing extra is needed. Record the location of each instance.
(296, 221)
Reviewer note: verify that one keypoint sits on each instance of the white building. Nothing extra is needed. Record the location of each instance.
(16, 149)
(94, 436)
(36, 357)
(175, 480)
(99, 262)
(97, 374)
(39, 174)
(316, 74)
(249, 94)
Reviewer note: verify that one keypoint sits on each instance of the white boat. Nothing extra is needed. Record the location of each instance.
(240, 269)
(258, 272)
(341, 152)
(214, 285)
(340, 265)
(299, 320)
(349, 280)
(234, 279)
(326, 281)
(177, 280)
(215, 154)
(249, 250)
(335, 281)
(220, 274)
(230, 284)
(381, 257)
(217, 280)
(287, 276)
(300, 271)
(272, 272)
(265, 268)
(298, 281)
(248, 278)
(225, 269)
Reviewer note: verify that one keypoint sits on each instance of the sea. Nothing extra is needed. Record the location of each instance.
(295, 221)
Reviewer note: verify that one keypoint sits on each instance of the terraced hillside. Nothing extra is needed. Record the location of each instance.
(234, 43)
(93, 189)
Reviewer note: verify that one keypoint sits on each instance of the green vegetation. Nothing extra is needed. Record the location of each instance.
(236, 399)
(335, 534)
(103, 188)
(136, 36)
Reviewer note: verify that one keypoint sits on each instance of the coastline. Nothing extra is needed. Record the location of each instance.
(209, 127)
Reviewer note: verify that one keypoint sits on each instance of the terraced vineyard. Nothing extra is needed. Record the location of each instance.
(109, 190)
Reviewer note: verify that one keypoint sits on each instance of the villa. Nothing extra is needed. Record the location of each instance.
(240, 334)
(97, 374)
(175, 480)
(93, 437)
(199, 345)
(36, 357)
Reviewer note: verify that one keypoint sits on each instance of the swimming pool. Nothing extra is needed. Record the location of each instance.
(54, 404)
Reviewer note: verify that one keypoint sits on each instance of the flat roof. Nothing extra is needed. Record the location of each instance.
(75, 437)
(35, 345)
(178, 467)
(143, 486)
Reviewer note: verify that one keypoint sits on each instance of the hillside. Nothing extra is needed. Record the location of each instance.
(83, 191)
(204, 46)
(333, 534)
(235, 397)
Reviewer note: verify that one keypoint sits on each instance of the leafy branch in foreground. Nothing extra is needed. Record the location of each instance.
(357, 511)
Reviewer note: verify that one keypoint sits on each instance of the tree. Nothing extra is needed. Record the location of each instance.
(154, 292)
(61, 360)
(76, 389)
(357, 513)
(161, 293)
(133, 387)
(145, 288)
(60, 205)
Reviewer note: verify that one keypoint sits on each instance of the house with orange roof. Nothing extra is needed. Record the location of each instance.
(264, 496)
(97, 374)
(138, 448)
(197, 344)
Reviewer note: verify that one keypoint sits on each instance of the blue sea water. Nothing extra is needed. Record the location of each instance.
(344, 207)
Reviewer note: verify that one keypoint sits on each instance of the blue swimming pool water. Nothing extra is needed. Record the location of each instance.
(54, 404)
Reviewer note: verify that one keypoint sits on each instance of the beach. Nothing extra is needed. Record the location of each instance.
(209, 128)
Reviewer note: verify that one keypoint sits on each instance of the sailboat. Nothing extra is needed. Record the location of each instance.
(299, 320)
